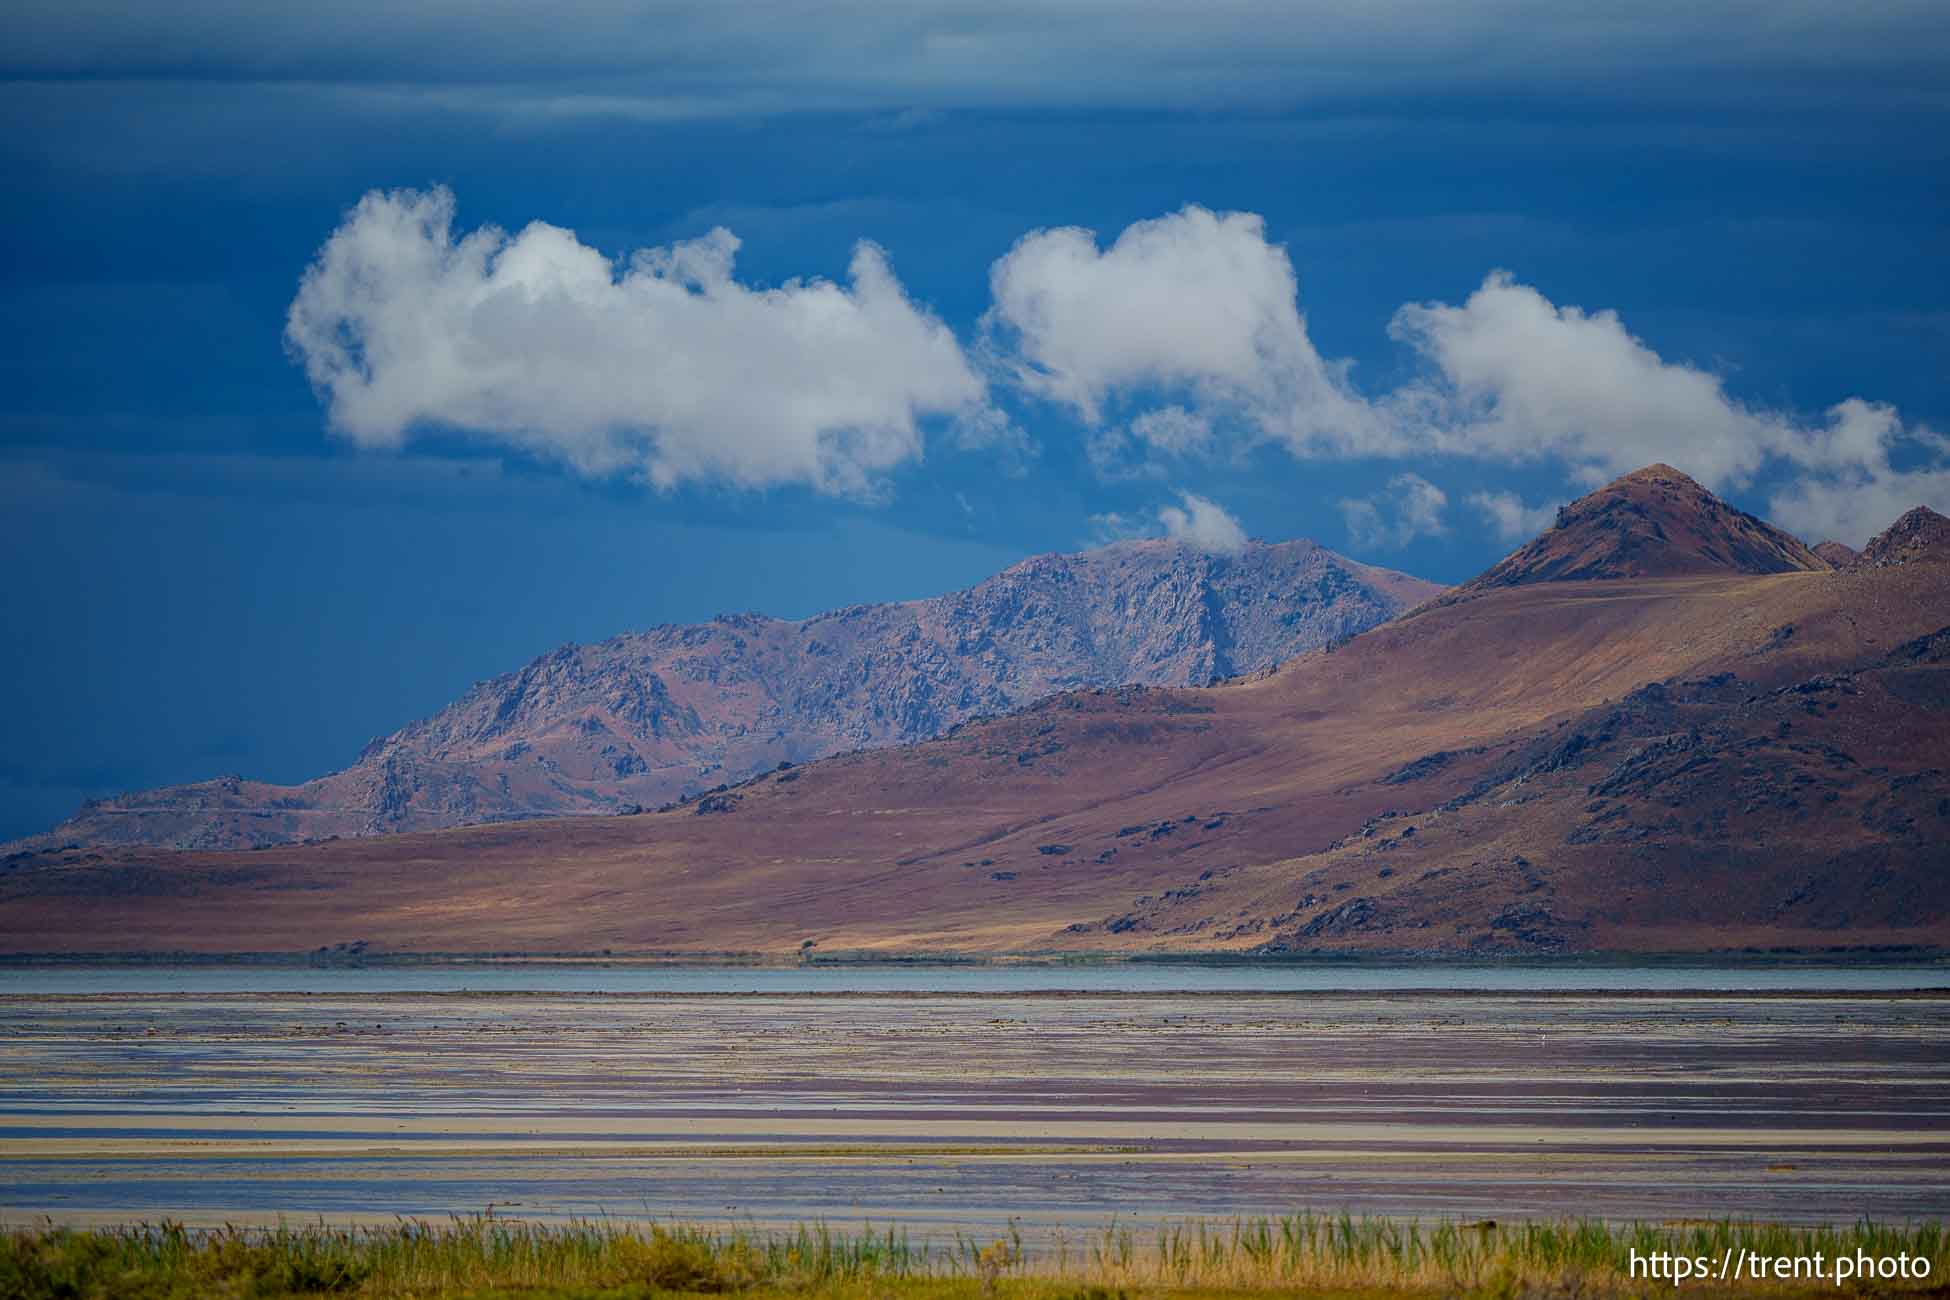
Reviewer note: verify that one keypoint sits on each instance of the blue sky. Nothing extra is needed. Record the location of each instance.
(250, 524)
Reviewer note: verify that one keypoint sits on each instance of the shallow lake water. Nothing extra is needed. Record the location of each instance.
(959, 1099)
(1127, 977)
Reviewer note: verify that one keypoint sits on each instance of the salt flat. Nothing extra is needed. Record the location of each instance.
(962, 1111)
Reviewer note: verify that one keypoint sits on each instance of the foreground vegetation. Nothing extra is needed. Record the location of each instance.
(1330, 1256)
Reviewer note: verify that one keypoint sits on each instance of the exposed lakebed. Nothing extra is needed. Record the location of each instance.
(959, 1099)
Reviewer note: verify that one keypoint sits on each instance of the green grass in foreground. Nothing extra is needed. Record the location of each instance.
(1304, 1253)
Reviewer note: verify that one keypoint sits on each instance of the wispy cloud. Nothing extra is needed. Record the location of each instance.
(1116, 526)
(1411, 508)
(595, 56)
(1854, 504)
(1512, 520)
(1142, 448)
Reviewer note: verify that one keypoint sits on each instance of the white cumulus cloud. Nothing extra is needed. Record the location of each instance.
(1183, 338)
(665, 366)
(1516, 377)
(1851, 489)
(1197, 304)
(1412, 507)
(1195, 318)
(1203, 525)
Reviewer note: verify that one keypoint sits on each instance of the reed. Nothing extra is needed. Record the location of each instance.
(1303, 1253)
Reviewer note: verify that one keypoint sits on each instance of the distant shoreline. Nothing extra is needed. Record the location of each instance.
(1919, 993)
(1839, 956)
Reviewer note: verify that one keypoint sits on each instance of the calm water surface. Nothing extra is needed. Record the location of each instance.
(1122, 978)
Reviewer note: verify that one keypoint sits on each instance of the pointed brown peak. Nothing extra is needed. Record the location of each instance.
(1922, 534)
(1839, 554)
(1658, 473)
(1653, 523)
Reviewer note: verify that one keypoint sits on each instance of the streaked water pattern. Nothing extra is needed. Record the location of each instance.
(961, 1110)
(900, 977)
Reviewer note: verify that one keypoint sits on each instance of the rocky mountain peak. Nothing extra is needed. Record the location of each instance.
(648, 716)
(1655, 522)
(1922, 534)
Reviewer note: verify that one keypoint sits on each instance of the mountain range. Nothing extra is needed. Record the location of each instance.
(642, 719)
(1662, 726)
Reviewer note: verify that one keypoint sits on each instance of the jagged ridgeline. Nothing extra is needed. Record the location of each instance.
(650, 716)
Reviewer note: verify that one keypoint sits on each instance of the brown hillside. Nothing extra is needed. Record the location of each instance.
(1655, 523)
(1670, 763)
(640, 719)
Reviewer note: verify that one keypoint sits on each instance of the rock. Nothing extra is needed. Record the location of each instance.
(1354, 914)
(1426, 766)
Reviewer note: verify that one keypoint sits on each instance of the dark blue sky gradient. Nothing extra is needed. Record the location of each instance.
(199, 579)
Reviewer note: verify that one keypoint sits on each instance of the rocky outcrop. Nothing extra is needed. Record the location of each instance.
(648, 717)
(1920, 535)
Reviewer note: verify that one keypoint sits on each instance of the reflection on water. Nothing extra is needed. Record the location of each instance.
(1141, 977)
(967, 1110)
